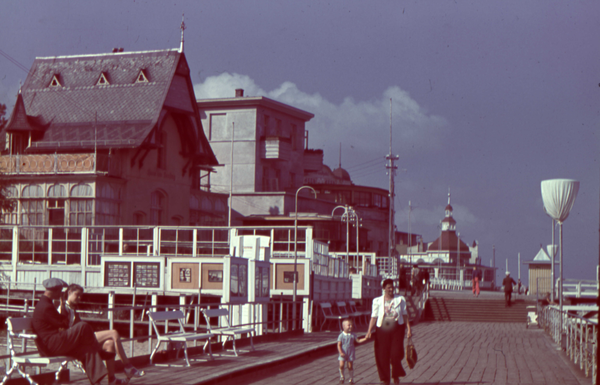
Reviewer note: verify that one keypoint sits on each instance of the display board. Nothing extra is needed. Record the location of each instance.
(141, 272)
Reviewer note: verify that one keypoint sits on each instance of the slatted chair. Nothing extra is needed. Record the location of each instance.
(343, 310)
(359, 313)
(179, 337)
(228, 331)
(23, 328)
(328, 314)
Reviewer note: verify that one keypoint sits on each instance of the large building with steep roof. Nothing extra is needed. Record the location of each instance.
(108, 139)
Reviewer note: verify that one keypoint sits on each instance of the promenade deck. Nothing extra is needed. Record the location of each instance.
(449, 353)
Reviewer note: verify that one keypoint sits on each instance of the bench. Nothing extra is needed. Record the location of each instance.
(23, 328)
(328, 315)
(228, 331)
(180, 337)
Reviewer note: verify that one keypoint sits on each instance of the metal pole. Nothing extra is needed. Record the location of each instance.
(553, 262)
(347, 214)
(231, 177)
(560, 284)
(296, 239)
(457, 255)
(357, 242)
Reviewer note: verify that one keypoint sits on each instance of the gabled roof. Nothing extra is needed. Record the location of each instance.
(21, 122)
(81, 114)
(448, 242)
(540, 258)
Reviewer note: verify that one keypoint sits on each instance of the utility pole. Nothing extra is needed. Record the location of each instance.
(391, 167)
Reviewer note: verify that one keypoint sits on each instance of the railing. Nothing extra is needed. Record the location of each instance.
(576, 335)
(579, 288)
(421, 302)
(447, 284)
(84, 245)
(57, 163)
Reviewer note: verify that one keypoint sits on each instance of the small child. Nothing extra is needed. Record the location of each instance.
(345, 345)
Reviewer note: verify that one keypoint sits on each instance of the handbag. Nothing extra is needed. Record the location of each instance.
(411, 354)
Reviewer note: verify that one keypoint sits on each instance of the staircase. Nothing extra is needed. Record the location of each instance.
(475, 310)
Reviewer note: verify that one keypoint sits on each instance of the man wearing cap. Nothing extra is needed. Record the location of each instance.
(508, 283)
(55, 338)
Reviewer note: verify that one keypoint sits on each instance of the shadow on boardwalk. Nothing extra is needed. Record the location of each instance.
(449, 353)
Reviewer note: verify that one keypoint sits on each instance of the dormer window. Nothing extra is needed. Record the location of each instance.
(54, 82)
(141, 78)
(102, 81)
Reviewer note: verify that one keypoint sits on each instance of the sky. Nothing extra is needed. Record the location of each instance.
(488, 98)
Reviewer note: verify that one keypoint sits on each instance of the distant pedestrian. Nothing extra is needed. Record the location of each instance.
(345, 346)
(402, 280)
(391, 318)
(508, 283)
(519, 286)
(476, 279)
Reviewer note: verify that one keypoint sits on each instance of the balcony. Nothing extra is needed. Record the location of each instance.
(57, 164)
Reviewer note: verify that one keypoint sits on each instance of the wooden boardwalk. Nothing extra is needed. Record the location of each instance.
(449, 353)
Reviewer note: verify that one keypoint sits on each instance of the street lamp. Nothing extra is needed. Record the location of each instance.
(347, 210)
(296, 241)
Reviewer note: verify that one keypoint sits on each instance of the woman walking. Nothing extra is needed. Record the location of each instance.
(391, 318)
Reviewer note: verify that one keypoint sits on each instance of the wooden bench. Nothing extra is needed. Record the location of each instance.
(328, 315)
(180, 337)
(23, 328)
(228, 331)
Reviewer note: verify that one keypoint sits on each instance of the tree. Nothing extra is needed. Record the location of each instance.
(6, 204)
(2, 114)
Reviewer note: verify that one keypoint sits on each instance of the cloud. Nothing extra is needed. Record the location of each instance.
(361, 126)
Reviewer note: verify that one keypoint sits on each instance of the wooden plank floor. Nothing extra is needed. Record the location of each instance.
(449, 353)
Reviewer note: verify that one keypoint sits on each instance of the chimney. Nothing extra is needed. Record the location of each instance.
(121, 49)
(115, 50)
(239, 93)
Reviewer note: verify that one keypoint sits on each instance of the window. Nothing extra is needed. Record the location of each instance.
(294, 137)
(141, 78)
(267, 124)
(161, 156)
(102, 81)
(362, 198)
(18, 143)
(108, 207)
(82, 190)
(32, 191)
(80, 212)
(32, 212)
(157, 208)
(58, 191)
(265, 179)
(176, 221)
(54, 82)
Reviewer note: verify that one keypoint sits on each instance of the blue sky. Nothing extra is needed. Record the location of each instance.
(489, 98)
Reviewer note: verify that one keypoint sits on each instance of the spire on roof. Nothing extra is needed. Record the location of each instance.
(448, 195)
(182, 29)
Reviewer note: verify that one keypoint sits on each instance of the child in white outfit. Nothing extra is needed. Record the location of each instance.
(346, 341)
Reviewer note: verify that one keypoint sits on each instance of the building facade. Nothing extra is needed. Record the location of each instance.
(108, 139)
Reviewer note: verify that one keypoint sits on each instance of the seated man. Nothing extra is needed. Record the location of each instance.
(56, 338)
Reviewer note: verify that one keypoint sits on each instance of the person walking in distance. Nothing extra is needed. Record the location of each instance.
(345, 346)
(508, 283)
(476, 279)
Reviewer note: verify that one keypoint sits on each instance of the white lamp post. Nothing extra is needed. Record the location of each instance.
(559, 196)
(296, 240)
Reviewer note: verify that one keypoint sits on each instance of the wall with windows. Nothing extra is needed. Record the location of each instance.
(158, 180)
(61, 203)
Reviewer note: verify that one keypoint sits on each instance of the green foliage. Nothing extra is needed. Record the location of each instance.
(2, 115)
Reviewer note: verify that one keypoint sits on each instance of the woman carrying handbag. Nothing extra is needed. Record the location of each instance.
(390, 316)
